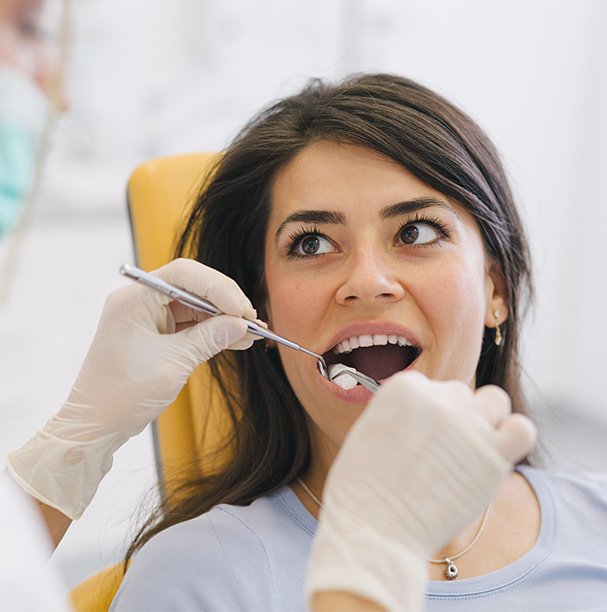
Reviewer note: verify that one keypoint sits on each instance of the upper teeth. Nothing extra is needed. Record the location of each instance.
(345, 346)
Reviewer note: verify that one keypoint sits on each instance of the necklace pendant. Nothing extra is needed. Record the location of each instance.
(451, 570)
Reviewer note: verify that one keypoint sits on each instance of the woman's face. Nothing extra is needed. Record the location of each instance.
(359, 251)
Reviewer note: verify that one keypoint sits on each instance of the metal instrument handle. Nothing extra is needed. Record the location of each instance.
(195, 302)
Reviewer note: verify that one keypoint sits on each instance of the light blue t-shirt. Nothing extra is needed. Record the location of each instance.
(254, 558)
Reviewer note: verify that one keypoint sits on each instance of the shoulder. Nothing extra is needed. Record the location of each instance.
(570, 499)
(572, 486)
(220, 560)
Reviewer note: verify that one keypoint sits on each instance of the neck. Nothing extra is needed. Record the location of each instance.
(511, 529)
(311, 497)
(323, 452)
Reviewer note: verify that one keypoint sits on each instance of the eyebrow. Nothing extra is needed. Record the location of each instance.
(409, 206)
(388, 212)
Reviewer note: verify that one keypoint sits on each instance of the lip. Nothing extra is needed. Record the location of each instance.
(375, 327)
(356, 395)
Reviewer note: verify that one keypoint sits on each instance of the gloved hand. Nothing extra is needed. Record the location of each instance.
(144, 351)
(422, 461)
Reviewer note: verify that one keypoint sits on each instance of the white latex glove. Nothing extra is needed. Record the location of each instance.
(144, 351)
(422, 461)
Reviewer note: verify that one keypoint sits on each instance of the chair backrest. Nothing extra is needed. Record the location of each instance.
(95, 594)
(160, 195)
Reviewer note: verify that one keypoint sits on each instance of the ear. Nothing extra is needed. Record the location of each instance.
(496, 296)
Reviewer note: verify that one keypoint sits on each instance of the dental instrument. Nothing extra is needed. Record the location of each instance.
(366, 381)
(195, 302)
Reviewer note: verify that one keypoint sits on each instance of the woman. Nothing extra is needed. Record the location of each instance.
(368, 210)
(372, 214)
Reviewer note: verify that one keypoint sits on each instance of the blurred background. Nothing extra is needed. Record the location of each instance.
(155, 77)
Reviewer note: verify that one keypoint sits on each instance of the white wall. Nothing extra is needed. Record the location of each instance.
(151, 77)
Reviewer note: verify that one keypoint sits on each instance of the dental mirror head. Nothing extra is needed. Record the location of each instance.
(350, 377)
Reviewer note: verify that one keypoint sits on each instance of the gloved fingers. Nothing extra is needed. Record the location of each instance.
(493, 404)
(184, 315)
(208, 283)
(185, 325)
(245, 343)
(455, 392)
(122, 299)
(409, 390)
(207, 339)
(452, 391)
(241, 345)
(516, 437)
(137, 306)
(410, 402)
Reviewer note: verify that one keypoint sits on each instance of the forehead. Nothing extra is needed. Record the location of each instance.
(332, 176)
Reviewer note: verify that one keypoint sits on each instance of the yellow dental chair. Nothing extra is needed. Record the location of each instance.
(159, 195)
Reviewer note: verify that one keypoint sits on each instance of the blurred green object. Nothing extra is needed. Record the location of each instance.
(18, 148)
(23, 112)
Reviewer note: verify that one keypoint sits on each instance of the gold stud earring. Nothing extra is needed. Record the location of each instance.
(498, 331)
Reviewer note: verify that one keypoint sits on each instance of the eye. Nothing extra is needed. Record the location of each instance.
(420, 233)
(310, 245)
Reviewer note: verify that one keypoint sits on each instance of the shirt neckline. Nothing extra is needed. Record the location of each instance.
(521, 568)
(294, 507)
(479, 585)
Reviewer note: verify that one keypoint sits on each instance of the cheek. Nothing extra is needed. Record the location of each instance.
(458, 293)
(453, 302)
(294, 305)
(298, 310)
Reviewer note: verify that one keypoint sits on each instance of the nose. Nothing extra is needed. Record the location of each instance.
(370, 278)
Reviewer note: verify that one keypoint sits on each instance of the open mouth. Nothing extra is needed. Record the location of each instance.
(377, 355)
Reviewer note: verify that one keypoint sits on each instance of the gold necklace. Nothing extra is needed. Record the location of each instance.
(451, 572)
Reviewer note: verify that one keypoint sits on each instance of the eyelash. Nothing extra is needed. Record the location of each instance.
(298, 235)
(433, 221)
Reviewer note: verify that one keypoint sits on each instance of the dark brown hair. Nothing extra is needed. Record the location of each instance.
(409, 124)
